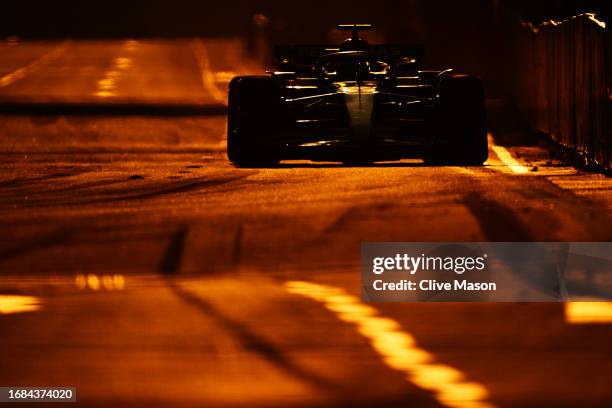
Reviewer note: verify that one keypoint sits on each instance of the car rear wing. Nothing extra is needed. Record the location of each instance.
(393, 53)
(308, 54)
(354, 26)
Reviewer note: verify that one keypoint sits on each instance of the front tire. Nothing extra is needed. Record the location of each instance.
(461, 122)
(252, 122)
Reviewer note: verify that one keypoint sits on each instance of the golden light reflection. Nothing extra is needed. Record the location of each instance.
(353, 88)
(398, 348)
(21, 73)
(224, 76)
(94, 282)
(591, 16)
(208, 77)
(18, 304)
(407, 358)
(80, 281)
(588, 312)
(123, 63)
(107, 282)
(108, 84)
(131, 44)
(506, 158)
(119, 282)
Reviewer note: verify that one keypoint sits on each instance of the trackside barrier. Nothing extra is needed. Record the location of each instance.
(564, 86)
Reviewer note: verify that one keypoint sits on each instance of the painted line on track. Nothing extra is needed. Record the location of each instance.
(397, 347)
(94, 282)
(107, 86)
(588, 312)
(507, 159)
(10, 304)
(209, 80)
(22, 72)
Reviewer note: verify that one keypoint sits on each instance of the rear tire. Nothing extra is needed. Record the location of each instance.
(462, 119)
(252, 122)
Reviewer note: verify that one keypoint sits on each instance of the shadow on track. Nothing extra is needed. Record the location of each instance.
(315, 165)
(250, 340)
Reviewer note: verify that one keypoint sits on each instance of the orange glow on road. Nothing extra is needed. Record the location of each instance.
(397, 348)
(34, 66)
(588, 312)
(209, 81)
(18, 304)
(107, 85)
(95, 282)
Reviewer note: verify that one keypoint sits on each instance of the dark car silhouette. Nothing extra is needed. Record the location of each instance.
(356, 103)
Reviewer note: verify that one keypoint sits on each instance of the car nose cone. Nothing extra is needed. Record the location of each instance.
(359, 101)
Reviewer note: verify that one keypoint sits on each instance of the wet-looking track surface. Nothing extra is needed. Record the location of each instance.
(157, 274)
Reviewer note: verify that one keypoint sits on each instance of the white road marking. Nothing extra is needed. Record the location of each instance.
(588, 312)
(507, 159)
(34, 66)
(585, 184)
(209, 81)
(19, 304)
(592, 186)
(94, 282)
(131, 44)
(107, 85)
(397, 347)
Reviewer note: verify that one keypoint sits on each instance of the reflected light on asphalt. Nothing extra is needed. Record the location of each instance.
(131, 44)
(588, 312)
(398, 348)
(506, 158)
(21, 73)
(118, 282)
(123, 63)
(95, 282)
(207, 75)
(18, 304)
(224, 76)
(80, 281)
(107, 282)
(108, 84)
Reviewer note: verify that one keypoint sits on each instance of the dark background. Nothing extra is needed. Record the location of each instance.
(166, 18)
(475, 36)
(479, 37)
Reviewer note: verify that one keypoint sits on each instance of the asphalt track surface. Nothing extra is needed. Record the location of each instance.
(140, 266)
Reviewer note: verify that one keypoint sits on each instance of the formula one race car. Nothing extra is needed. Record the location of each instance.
(357, 103)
